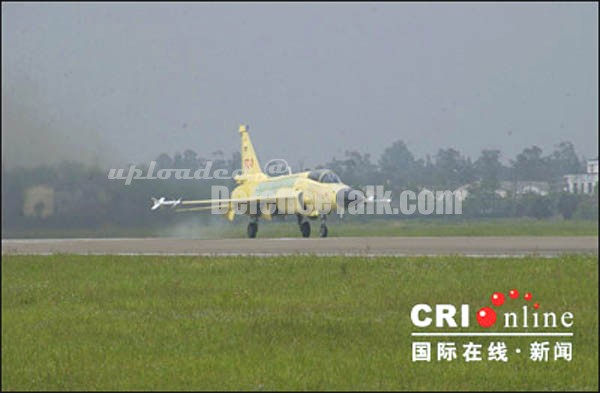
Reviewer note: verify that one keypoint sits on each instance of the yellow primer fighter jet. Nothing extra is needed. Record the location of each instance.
(308, 195)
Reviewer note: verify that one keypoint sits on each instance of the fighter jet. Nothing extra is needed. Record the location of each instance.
(307, 195)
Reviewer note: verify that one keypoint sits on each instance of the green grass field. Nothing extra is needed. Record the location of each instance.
(219, 228)
(292, 323)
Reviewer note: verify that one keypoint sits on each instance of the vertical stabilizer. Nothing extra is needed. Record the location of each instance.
(250, 164)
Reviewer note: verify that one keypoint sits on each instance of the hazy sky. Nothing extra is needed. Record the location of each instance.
(122, 83)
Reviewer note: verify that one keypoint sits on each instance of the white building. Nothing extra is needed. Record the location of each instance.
(521, 187)
(583, 183)
(508, 188)
(592, 166)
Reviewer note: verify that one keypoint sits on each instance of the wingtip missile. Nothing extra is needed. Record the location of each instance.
(157, 203)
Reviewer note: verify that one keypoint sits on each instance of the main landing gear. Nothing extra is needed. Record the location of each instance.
(253, 227)
(305, 226)
(302, 223)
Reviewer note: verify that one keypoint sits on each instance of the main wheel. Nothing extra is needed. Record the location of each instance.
(323, 231)
(305, 229)
(252, 229)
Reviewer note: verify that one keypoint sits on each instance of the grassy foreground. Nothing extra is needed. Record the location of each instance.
(295, 323)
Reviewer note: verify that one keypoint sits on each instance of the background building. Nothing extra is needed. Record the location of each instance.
(584, 183)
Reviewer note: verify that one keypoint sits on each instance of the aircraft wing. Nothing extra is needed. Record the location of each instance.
(208, 204)
(221, 201)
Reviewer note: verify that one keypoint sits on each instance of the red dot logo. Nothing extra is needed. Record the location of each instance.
(514, 294)
(486, 317)
(527, 296)
(497, 299)
(536, 306)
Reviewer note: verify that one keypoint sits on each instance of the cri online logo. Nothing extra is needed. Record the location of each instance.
(445, 314)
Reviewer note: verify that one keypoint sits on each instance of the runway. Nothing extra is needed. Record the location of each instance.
(349, 246)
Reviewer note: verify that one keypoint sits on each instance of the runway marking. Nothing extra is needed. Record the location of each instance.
(289, 254)
(476, 247)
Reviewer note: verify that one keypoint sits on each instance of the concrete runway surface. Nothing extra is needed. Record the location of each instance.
(367, 246)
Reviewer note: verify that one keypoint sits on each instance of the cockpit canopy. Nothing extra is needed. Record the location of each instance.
(324, 176)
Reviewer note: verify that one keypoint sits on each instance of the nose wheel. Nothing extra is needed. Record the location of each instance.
(323, 230)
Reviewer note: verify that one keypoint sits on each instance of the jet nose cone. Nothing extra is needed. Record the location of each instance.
(347, 195)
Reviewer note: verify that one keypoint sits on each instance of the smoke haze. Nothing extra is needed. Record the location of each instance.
(118, 83)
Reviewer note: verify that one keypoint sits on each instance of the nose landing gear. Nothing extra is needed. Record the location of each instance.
(323, 230)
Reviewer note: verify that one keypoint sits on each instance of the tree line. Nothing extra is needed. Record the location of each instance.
(84, 197)
(449, 169)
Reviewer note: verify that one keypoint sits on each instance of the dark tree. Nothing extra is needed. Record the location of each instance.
(488, 168)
